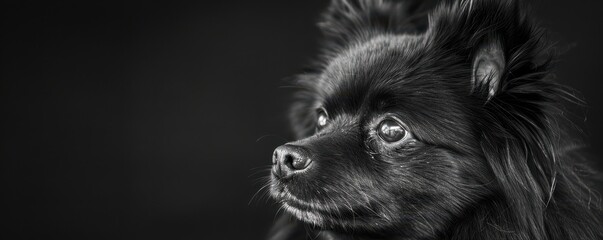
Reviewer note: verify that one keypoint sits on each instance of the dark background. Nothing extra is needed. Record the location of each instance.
(141, 120)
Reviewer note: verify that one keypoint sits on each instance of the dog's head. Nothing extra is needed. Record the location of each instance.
(396, 119)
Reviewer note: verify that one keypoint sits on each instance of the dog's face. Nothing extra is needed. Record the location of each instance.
(391, 146)
(389, 127)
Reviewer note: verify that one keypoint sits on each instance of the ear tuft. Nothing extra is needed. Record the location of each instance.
(488, 67)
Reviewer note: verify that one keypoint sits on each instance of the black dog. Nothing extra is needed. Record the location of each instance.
(438, 126)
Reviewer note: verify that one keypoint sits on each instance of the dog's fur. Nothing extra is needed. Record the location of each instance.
(491, 156)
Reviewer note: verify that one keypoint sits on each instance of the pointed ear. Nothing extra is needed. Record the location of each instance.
(496, 38)
(487, 68)
(348, 21)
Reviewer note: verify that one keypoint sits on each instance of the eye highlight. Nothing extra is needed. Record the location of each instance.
(391, 130)
(321, 119)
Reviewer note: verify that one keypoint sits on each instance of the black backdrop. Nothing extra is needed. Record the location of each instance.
(141, 120)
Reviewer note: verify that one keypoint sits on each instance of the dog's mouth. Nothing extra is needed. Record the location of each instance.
(318, 213)
(307, 211)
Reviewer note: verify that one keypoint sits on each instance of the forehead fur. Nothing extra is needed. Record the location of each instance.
(392, 71)
(380, 61)
(397, 74)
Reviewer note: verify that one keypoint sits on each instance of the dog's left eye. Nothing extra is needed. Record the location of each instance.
(321, 119)
(391, 130)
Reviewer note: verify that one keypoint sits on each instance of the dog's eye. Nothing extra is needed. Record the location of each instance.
(321, 119)
(391, 130)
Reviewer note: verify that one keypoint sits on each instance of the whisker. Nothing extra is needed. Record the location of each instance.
(270, 135)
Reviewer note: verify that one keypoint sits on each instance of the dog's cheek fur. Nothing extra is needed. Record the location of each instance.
(433, 187)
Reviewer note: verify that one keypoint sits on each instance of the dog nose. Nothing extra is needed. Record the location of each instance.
(289, 159)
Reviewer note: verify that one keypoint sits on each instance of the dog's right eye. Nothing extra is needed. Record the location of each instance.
(391, 131)
(321, 119)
